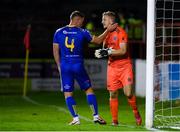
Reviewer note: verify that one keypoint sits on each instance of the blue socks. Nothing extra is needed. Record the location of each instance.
(71, 104)
(91, 99)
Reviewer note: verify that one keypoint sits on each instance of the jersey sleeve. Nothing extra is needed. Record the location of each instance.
(123, 38)
(55, 39)
(87, 35)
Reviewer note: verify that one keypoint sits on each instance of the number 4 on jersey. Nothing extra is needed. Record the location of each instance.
(70, 46)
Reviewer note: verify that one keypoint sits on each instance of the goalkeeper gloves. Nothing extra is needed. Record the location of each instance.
(100, 53)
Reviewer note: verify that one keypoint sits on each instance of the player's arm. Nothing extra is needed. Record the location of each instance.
(99, 39)
(56, 54)
(122, 40)
(100, 53)
(119, 52)
(114, 52)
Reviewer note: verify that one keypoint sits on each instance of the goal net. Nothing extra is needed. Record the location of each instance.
(167, 64)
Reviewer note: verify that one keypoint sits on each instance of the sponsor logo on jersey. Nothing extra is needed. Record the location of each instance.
(66, 32)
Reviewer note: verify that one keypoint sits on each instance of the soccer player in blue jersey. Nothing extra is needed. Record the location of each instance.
(68, 45)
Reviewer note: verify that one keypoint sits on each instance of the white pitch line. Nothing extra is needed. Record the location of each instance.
(81, 117)
(154, 129)
(54, 106)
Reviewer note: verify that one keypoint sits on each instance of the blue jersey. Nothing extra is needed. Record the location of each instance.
(71, 41)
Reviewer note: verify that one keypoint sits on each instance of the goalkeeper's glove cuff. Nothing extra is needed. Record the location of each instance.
(109, 51)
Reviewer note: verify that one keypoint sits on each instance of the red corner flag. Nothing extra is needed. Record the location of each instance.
(27, 37)
(27, 46)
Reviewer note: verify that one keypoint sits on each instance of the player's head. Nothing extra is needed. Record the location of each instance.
(77, 18)
(108, 18)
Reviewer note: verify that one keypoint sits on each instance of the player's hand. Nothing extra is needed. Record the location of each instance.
(112, 27)
(100, 53)
(97, 53)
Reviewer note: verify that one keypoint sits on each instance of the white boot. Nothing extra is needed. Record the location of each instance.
(98, 119)
(75, 121)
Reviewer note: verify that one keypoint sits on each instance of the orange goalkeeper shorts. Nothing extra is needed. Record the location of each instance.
(119, 76)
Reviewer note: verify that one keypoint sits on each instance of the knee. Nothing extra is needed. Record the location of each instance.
(68, 94)
(113, 94)
(128, 91)
(89, 91)
(128, 94)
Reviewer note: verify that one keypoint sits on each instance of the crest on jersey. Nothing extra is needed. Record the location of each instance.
(66, 86)
(115, 38)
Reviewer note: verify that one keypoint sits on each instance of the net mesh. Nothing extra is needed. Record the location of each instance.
(167, 65)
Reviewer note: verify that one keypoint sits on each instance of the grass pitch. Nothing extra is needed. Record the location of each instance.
(46, 111)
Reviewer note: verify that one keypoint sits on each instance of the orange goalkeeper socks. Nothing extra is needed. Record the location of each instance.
(132, 103)
(114, 108)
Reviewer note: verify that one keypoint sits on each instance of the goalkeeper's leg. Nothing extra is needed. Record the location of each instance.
(132, 102)
(113, 102)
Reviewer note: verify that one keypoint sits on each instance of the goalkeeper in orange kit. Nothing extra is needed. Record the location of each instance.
(119, 71)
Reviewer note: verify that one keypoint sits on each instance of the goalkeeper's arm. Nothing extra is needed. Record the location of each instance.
(121, 51)
(100, 53)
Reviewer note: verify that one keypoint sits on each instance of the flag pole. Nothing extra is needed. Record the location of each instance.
(27, 46)
(26, 72)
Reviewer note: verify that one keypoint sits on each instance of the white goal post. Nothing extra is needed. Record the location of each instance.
(150, 42)
(163, 64)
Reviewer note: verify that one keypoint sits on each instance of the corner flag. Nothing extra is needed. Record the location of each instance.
(27, 37)
(27, 46)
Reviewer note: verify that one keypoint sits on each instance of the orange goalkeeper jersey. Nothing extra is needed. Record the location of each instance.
(114, 40)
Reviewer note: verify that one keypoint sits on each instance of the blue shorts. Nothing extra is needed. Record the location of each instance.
(71, 72)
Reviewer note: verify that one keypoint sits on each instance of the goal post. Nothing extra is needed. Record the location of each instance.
(163, 64)
(150, 41)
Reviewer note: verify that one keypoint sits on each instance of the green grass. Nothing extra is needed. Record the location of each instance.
(16, 113)
(167, 114)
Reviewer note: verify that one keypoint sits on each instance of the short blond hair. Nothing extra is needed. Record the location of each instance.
(111, 14)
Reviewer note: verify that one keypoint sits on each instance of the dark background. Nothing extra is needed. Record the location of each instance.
(45, 16)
